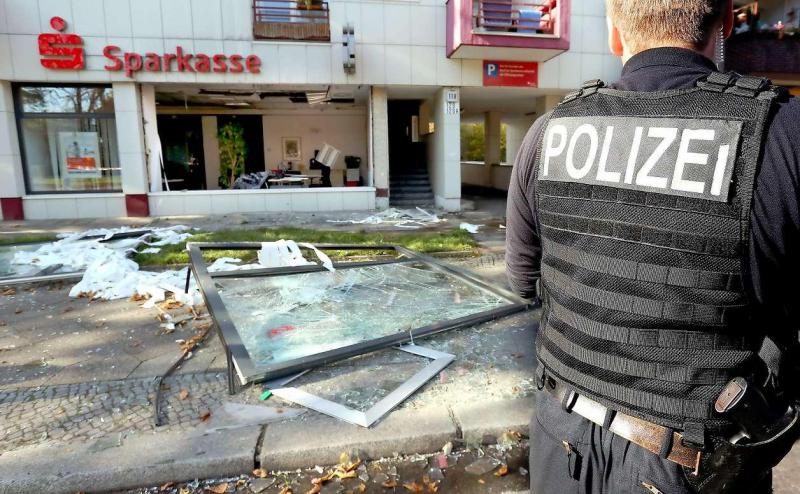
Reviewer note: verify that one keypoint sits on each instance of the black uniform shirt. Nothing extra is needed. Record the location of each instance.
(775, 238)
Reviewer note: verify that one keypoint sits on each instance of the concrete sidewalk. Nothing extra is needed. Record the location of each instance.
(77, 393)
(486, 391)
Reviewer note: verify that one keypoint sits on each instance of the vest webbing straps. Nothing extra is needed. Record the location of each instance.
(645, 243)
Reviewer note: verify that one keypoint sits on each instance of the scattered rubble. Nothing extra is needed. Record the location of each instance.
(402, 218)
(354, 474)
(469, 227)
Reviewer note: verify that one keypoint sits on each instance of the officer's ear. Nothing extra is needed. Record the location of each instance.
(727, 18)
(614, 39)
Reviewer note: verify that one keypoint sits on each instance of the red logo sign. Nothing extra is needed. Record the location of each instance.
(521, 74)
(61, 51)
(65, 51)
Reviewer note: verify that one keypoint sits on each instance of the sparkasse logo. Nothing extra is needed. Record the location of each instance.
(61, 51)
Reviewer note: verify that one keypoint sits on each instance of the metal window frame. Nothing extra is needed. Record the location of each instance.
(21, 116)
(241, 369)
(440, 360)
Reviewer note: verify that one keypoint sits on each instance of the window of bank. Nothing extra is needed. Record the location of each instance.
(68, 138)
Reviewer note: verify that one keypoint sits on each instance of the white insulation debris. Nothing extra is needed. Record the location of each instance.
(469, 227)
(109, 273)
(403, 218)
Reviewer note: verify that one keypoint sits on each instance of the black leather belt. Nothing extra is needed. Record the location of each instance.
(655, 438)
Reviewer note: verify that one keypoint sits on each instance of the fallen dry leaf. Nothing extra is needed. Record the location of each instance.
(138, 297)
(286, 490)
(9, 291)
(414, 487)
(328, 476)
(481, 481)
(183, 394)
(260, 473)
(503, 470)
(314, 490)
(351, 466)
(362, 487)
(389, 484)
(184, 491)
(219, 488)
(166, 486)
(205, 416)
(345, 475)
(433, 487)
(18, 311)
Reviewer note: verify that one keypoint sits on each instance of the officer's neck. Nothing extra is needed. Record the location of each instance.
(707, 51)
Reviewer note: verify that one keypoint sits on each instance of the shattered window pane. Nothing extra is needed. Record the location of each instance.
(281, 318)
(10, 269)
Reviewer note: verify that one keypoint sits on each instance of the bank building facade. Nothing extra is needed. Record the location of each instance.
(112, 108)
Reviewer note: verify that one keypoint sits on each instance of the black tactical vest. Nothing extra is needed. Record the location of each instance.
(644, 202)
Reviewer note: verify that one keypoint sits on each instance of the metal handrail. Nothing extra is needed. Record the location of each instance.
(524, 17)
(291, 20)
(266, 11)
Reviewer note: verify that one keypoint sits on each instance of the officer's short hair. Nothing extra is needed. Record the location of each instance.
(645, 23)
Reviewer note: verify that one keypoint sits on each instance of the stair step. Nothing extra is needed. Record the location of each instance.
(417, 196)
(409, 188)
(406, 176)
(409, 180)
(411, 203)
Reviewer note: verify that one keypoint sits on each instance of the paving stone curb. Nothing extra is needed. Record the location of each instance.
(141, 459)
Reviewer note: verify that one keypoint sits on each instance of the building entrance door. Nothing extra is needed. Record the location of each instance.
(409, 183)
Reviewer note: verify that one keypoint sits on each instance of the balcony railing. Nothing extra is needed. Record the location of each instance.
(291, 20)
(510, 30)
(532, 17)
(769, 53)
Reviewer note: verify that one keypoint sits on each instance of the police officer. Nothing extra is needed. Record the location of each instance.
(658, 220)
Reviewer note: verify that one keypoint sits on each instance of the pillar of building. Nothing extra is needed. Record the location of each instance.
(151, 139)
(132, 151)
(491, 144)
(211, 150)
(12, 184)
(444, 149)
(516, 128)
(547, 103)
(379, 145)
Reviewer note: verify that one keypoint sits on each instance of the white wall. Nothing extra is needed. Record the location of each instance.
(130, 137)
(379, 141)
(444, 152)
(345, 130)
(211, 160)
(193, 202)
(11, 181)
(397, 42)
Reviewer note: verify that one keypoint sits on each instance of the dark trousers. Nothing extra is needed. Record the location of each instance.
(571, 455)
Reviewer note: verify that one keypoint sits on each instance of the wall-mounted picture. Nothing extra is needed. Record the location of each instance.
(79, 153)
(291, 148)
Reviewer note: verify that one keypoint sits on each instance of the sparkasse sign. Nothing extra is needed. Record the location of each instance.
(65, 52)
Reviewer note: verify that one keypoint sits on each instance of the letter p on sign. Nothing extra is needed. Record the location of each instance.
(491, 69)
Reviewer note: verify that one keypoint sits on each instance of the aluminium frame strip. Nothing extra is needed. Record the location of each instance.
(440, 360)
(242, 370)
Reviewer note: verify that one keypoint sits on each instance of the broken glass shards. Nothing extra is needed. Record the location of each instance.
(278, 321)
(366, 418)
(281, 318)
(14, 272)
